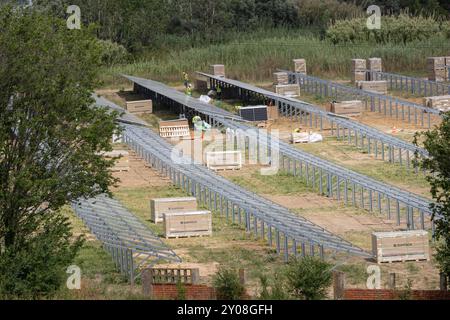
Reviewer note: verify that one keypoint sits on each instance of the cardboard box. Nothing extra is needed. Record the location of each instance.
(350, 108)
(160, 206)
(400, 246)
(218, 70)
(373, 86)
(140, 107)
(288, 90)
(187, 224)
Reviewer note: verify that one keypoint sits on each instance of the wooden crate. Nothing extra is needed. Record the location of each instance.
(300, 65)
(436, 69)
(273, 113)
(201, 85)
(160, 206)
(288, 90)
(373, 86)
(218, 70)
(359, 76)
(438, 75)
(375, 64)
(441, 103)
(280, 78)
(224, 160)
(401, 246)
(359, 64)
(187, 224)
(140, 107)
(123, 161)
(435, 62)
(174, 128)
(351, 108)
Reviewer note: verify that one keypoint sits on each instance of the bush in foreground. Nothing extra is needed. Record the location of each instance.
(308, 278)
(228, 285)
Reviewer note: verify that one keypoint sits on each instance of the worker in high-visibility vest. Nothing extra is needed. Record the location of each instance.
(196, 119)
(219, 92)
(189, 90)
(186, 80)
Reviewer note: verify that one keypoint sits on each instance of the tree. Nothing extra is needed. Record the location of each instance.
(437, 143)
(228, 285)
(308, 278)
(50, 140)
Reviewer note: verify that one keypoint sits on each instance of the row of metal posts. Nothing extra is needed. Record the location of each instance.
(413, 85)
(121, 256)
(352, 136)
(341, 189)
(317, 121)
(374, 102)
(226, 207)
(289, 111)
(123, 259)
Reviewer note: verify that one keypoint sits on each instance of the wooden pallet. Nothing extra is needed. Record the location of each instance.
(174, 128)
(224, 160)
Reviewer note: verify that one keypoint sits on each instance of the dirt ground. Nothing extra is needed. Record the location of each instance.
(232, 244)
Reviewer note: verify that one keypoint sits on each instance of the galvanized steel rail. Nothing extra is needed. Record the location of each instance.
(366, 138)
(263, 218)
(328, 178)
(422, 87)
(388, 106)
(259, 215)
(131, 244)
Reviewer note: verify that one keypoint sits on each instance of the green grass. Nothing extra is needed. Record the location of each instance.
(279, 184)
(345, 154)
(137, 200)
(256, 57)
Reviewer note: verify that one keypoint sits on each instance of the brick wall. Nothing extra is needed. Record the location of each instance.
(193, 292)
(384, 294)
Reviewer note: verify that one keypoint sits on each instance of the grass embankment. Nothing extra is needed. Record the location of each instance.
(254, 57)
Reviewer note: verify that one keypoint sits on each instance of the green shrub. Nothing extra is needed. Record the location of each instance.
(112, 53)
(396, 29)
(181, 291)
(228, 285)
(38, 268)
(274, 289)
(308, 278)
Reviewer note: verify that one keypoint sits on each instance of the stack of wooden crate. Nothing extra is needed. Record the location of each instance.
(300, 65)
(380, 86)
(280, 78)
(359, 70)
(122, 162)
(140, 107)
(400, 246)
(375, 64)
(218, 70)
(351, 108)
(160, 206)
(441, 103)
(224, 160)
(436, 67)
(288, 90)
(174, 128)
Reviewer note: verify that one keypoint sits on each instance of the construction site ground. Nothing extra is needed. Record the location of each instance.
(230, 245)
